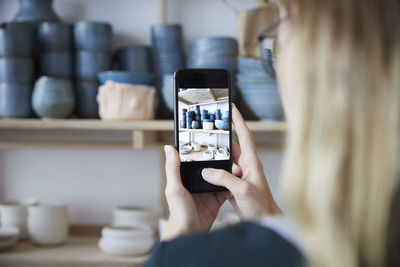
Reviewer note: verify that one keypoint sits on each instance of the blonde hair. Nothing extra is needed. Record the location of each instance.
(343, 148)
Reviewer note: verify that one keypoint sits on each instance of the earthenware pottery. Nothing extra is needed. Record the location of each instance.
(16, 70)
(36, 11)
(196, 147)
(208, 155)
(135, 217)
(53, 98)
(48, 224)
(16, 39)
(93, 36)
(54, 36)
(89, 64)
(15, 100)
(86, 103)
(222, 124)
(14, 215)
(57, 64)
(134, 58)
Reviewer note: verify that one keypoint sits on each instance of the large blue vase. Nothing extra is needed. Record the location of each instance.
(36, 11)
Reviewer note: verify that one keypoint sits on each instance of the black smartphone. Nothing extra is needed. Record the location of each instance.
(203, 125)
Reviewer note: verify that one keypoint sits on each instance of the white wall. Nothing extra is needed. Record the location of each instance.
(94, 181)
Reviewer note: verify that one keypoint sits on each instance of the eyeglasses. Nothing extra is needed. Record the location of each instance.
(266, 39)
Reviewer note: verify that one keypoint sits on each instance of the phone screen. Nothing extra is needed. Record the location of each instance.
(204, 124)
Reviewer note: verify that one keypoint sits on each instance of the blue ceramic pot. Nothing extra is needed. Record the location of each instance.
(86, 99)
(222, 125)
(89, 64)
(214, 43)
(53, 98)
(16, 70)
(15, 100)
(126, 77)
(92, 36)
(225, 115)
(212, 118)
(195, 124)
(134, 58)
(16, 39)
(167, 37)
(57, 64)
(184, 111)
(54, 36)
(183, 123)
(36, 11)
(167, 91)
(189, 122)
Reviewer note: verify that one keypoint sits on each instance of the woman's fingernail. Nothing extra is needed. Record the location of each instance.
(167, 150)
(233, 105)
(207, 173)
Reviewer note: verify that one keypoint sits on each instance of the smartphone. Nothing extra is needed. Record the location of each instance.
(203, 125)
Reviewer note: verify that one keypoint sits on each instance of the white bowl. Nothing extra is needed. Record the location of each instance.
(208, 155)
(13, 214)
(125, 241)
(221, 155)
(212, 147)
(136, 217)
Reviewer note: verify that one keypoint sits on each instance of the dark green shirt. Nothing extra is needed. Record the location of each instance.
(243, 244)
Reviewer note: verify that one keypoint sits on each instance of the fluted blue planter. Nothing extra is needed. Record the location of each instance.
(53, 98)
(93, 36)
(15, 100)
(89, 64)
(36, 11)
(134, 58)
(54, 36)
(86, 99)
(16, 70)
(57, 64)
(16, 39)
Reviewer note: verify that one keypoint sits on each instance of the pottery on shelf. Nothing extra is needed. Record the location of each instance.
(48, 224)
(196, 147)
(16, 70)
(16, 39)
(127, 77)
(183, 123)
(134, 58)
(89, 64)
(208, 125)
(15, 100)
(86, 102)
(125, 241)
(93, 36)
(35, 11)
(54, 36)
(14, 215)
(167, 91)
(222, 124)
(195, 124)
(56, 64)
(135, 217)
(53, 98)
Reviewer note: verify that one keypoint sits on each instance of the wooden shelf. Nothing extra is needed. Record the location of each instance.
(150, 125)
(203, 131)
(78, 251)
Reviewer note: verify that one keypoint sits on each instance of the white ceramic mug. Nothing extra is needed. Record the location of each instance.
(196, 147)
(48, 224)
(13, 214)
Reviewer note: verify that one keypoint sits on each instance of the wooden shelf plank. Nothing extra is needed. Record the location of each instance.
(150, 125)
(78, 251)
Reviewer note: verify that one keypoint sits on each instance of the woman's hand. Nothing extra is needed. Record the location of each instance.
(188, 212)
(249, 192)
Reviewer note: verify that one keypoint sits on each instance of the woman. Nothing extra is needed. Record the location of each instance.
(339, 76)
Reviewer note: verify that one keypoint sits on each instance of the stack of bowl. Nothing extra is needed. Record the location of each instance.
(134, 58)
(168, 56)
(215, 52)
(259, 91)
(56, 50)
(184, 118)
(224, 122)
(190, 118)
(93, 55)
(16, 69)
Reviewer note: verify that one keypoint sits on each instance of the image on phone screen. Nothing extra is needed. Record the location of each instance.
(204, 124)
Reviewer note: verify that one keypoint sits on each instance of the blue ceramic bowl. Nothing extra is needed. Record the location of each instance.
(89, 64)
(93, 36)
(57, 64)
(54, 36)
(166, 37)
(16, 39)
(16, 70)
(195, 124)
(134, 58)
(15, 100)
(211, 44)
(53, 98)
(126, 77)
(35, 11)
(263, 101)
(222, 125)
(86, 99)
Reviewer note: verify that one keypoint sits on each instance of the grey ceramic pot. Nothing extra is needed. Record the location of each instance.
(134, 58)
(54, 36)
(89, 64)
(15, 100)
(16, 70)
(16, 39)
(57, 64)
(93, 36)
(36, 11)
(53, 98)
(86, 99)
